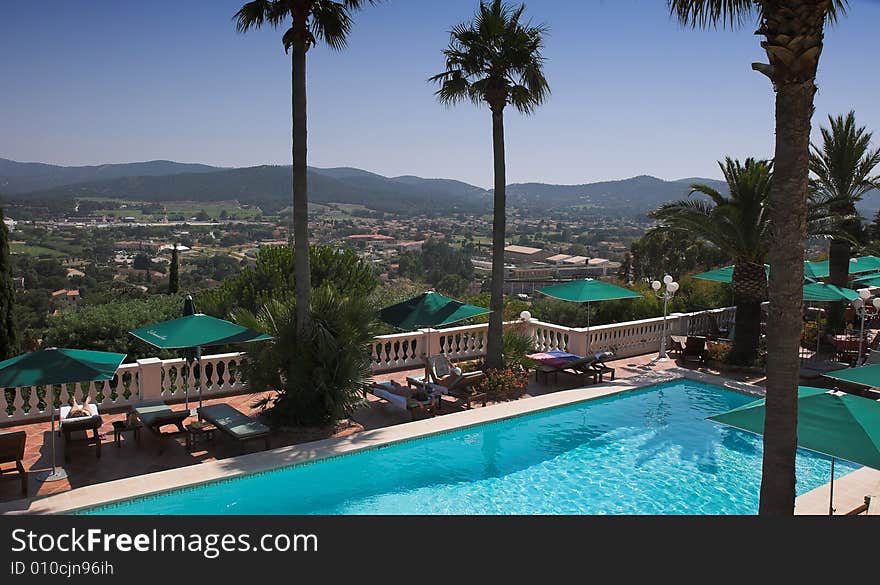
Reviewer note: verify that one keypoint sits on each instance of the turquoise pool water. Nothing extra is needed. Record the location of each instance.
(643, 452)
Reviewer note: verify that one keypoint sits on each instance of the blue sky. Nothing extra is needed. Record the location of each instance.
(96, 81)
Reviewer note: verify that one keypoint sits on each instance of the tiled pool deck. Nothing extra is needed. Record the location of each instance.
(132, 470)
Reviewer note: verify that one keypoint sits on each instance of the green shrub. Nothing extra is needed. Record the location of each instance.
(515, 347)
(319, 381)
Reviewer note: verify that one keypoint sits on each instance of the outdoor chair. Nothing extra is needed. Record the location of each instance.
(592, 365)
(458, 384)
(234, 423)
(695, 349)
(80, 424)
(155, 415)
(405, 398)
(676, 344)
(12, 451)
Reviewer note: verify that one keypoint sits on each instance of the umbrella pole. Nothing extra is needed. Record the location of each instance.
(831, 491)
(589, 345)
(201, 373)
(56, 474)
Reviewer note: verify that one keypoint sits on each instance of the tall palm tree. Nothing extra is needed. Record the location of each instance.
(793, 32)
(739, 225)
(310, 21)
(842, 168)
(495, 59)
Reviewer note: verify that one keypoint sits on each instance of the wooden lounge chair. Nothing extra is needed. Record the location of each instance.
(12, 451)
(592, 365)
(235, 423)
(462, 386)
(156, 415)
(695, 349)
(83, 424)
(401, 397)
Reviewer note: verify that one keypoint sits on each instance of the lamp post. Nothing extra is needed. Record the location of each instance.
(671, 289)
(860, 305)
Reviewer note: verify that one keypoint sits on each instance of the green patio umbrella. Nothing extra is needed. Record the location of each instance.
(194, 331)
(587, 291)
(48, 367)
(868, 280)
(428, 310)
(821, 292)
(837, 424)
(857, 265)
(862, 375)
(724, 274)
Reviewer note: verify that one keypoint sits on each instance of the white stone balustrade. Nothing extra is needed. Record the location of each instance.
(170, 380)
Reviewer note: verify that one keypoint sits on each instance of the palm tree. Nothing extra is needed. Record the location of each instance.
(739, 225)
(495, 59)
(842, 168)
(793, 32)
(311, 21)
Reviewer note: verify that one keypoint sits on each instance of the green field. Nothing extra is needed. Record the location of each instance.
(35, 251)
(186, 208)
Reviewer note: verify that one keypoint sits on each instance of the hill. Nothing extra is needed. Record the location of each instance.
(26, 177)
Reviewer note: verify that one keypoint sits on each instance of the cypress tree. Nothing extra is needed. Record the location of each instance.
(8, 331)
(173, 273)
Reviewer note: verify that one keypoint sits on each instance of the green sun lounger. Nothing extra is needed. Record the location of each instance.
(235, 423)
(155, 415)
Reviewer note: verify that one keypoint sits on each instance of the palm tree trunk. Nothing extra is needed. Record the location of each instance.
(749, 284)
(301, 269)
(794, 108)
(838, 269)
(499, 228)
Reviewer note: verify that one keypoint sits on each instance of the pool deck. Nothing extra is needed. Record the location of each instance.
(632, 374)
(380, 425)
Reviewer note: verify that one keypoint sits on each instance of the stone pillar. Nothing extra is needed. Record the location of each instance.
(577, 342)
(149, 379)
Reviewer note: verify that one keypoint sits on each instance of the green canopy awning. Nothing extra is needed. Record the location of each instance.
(822, 292)
(429, 309)
(864, 375)
(868, 280)
(857, 265)
(51, 366)
(587, 291)
(836, 424)
(55, 365)
(724, 274)
(197, 330)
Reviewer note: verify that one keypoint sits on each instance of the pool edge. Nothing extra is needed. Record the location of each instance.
(154, 484)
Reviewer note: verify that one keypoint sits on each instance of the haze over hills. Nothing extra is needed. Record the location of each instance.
(269, 187)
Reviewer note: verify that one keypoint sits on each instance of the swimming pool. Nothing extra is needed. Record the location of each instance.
(648, 451)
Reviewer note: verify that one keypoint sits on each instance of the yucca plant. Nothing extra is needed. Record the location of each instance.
(318, 380)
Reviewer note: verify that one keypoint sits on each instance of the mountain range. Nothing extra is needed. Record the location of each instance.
(269, 187)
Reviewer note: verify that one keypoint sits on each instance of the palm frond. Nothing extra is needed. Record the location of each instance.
(495, 58)
(732, 13)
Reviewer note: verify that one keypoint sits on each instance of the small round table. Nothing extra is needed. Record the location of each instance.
(197, 433)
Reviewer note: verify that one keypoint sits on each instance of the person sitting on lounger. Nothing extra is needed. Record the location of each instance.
(79, 410)
(453, 375)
